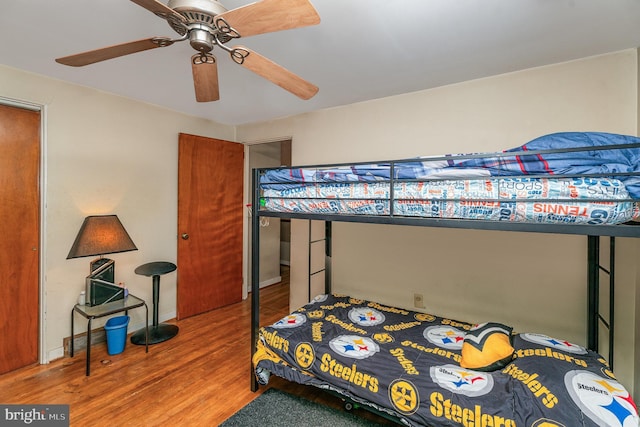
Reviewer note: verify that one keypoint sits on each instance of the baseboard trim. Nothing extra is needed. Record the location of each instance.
(98, 336)
(270, 282)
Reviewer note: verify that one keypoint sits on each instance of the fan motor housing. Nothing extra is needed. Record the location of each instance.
(199, 16)
(195, 12)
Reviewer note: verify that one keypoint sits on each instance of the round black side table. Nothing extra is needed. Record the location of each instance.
(158, 332)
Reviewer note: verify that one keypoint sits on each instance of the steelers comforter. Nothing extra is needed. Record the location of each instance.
(407, 364)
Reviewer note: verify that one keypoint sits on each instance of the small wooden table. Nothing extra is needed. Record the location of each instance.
(93, 312)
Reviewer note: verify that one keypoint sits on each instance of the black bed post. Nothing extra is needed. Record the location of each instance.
(593, 260)
(612, 295)
(255, 270)
(327, 257)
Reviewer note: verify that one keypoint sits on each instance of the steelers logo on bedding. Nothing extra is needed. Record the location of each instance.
(305, 355)
(462, 381)
(603, 400)
(556, 344)
(424, 317)
(445, 336)
(383, 337)
(291, 321)
(545, 422)
(316, 314)
(365, 316)
(403, 395)
(608, 372)
(320, 298)
(354, 346)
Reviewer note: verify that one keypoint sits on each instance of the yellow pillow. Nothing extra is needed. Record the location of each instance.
(487, 347)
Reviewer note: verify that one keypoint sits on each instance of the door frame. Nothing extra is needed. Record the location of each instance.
(248, 197)
(43, 356)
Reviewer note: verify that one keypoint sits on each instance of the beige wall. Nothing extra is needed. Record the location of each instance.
(105, 154)
(636, 330)
(533, 282)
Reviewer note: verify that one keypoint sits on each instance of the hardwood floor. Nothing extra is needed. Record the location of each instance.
(199, 378)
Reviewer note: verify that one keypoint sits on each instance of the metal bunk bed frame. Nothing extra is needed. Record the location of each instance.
(595, 317)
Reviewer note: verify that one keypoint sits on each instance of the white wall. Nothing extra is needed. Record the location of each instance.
(105, 154)
(533, 282)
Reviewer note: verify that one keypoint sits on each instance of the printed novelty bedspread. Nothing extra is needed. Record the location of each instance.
(407, 364)
(597, 185)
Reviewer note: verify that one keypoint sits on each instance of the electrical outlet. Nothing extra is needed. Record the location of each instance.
(418, 301)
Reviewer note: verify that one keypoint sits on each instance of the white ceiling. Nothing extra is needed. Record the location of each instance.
(361, 50)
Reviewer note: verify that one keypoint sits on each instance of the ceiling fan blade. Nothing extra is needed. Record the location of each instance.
(273, 72)
(97, 55)
(205, 77)
(268, 16)
(159, 9)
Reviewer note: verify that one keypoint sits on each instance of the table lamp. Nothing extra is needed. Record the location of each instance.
(101, 235)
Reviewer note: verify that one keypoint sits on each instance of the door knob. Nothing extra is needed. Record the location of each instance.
(185, 236)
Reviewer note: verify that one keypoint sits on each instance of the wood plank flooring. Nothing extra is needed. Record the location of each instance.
(199, 378)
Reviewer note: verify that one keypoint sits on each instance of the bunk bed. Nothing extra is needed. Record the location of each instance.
(567, 183)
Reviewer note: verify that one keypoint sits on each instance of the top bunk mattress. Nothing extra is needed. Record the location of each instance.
(568, 178)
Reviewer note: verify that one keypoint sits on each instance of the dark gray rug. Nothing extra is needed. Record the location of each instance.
(275, 408)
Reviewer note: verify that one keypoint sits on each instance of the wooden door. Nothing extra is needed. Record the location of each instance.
(210, 175)
(20, 242)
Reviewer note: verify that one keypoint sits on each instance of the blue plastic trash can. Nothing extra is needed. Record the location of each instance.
(116, 328)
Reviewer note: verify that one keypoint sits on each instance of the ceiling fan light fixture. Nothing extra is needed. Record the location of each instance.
(201, 40)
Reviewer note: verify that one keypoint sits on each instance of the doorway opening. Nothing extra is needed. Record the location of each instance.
(275, 233)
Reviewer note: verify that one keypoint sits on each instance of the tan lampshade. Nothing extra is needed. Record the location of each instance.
(101, 235)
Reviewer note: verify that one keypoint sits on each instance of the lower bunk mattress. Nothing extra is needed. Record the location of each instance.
(409, 365)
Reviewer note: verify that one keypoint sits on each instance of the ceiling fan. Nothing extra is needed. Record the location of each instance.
(207, 24)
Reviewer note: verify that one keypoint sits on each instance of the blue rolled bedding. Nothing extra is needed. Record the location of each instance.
(595, 161)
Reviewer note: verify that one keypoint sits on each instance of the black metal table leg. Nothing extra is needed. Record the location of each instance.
(89, 347)
(72, 335)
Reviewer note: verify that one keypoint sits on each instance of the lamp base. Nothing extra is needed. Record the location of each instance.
(157, 334)
(107, 274)
(99, 286)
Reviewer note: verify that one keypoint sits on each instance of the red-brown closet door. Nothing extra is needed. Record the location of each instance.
(20, 242)
(210, 175)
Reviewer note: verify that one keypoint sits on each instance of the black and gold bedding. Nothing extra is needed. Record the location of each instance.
(408, 364)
